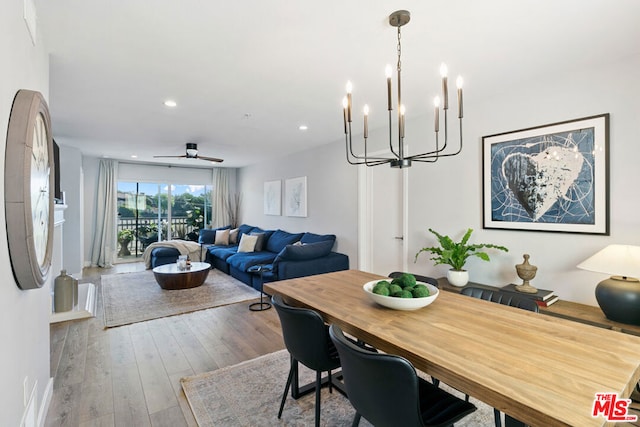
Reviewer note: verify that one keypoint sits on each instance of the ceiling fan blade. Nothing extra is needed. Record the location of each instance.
(211, 159)
(184, 155)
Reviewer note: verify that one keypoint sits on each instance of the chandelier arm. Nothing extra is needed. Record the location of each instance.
(434, 154)
(391, 136)
(352, 155)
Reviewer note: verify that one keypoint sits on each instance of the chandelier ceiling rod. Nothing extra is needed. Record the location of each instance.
(400, 159)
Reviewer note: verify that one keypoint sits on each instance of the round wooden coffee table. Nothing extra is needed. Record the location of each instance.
(169, 277)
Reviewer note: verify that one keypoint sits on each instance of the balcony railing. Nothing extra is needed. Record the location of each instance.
(149, 232)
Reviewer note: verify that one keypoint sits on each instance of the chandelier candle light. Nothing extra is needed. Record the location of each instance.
(399, 159)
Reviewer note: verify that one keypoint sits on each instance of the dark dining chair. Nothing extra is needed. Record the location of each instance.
(306, 338)
(385, 389)
(504, 298)
(423, 279)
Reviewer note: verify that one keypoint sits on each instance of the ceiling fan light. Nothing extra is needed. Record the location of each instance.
(192, 149)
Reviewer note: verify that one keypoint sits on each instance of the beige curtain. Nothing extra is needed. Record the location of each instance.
(103, 251)
(221, 195)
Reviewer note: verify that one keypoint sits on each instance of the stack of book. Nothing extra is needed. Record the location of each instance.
(543, 298)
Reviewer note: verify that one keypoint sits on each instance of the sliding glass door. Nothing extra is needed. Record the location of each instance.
(153, 212)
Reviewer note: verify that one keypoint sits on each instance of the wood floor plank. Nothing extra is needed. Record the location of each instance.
(56, 345)
(170, 417)
(155, 382)
(107, 420)
(63, 410)
(97, 389)
(182, 399)
(72, 361)
(198, 357)
(129, 404)
(173, 357)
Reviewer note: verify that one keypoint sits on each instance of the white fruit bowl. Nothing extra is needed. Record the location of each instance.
(401, 303)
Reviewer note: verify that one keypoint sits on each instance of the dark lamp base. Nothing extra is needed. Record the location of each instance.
(619, 299)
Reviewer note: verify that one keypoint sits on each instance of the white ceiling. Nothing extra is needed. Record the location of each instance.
(247, 73)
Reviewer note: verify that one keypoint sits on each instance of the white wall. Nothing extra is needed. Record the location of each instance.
(331, 195)
(24, 329)
(447, 196)
(71, 182)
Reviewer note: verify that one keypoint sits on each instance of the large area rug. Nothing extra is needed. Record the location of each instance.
(136, 297)
(248, 394)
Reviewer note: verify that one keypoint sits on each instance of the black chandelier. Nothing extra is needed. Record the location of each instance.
(400, 159)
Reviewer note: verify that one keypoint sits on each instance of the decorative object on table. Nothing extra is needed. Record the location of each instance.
(398, 158)
(548, 178)
(63, 292)
(526, 272)
(455, 254)
(272, 197)
(182, 262)
(28, 189)
(619, 295)
(262, 305)
(401, 303)
(295, 196)
(125, 236)
(542, 297)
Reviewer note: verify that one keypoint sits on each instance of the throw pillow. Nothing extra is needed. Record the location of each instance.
(222, 238)
(259, 242)
(247, 243)
(233, 236)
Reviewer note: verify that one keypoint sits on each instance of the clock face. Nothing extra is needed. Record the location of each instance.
(40, 189)
(28, 180)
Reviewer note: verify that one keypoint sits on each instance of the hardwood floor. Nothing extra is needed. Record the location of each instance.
(130, 375)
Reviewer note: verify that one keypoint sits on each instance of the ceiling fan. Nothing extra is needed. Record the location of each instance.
(192, 153)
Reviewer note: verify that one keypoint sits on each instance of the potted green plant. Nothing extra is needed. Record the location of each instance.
(456, 254)
(125, 236)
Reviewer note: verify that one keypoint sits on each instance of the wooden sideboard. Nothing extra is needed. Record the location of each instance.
(577, 312)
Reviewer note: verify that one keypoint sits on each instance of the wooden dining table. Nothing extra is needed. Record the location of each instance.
(540, 370)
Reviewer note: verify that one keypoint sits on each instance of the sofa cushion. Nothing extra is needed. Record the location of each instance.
(305, 251)
(247, 243)
(245, 229)
(279, 239)
(244, 260)
(222, 252)
(222, 237)
(313, 238)
(208, 235)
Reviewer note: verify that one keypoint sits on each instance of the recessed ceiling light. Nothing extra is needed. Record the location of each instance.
(170, 103)
(133, 156)
(303, 127)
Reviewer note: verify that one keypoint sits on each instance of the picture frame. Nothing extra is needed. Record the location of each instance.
(295, 199)
(273, 197)
(553, 177)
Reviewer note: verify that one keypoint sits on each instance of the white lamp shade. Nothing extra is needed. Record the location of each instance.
(618, 260)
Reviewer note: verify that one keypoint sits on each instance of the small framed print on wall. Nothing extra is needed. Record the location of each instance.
(548, 178)
(272, 197)
(295, 196)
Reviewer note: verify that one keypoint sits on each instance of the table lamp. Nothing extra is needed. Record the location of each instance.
(619, 295)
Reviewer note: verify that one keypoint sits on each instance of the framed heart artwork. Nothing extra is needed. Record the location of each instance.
(548, 178)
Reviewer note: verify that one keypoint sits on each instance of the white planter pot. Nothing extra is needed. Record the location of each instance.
(458, 277)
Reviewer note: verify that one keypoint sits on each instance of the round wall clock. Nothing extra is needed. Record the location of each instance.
(28, 180)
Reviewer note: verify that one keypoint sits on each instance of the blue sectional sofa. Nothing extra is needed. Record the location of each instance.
(288, 255)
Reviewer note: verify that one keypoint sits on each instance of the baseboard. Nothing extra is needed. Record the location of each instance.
(46, 402)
